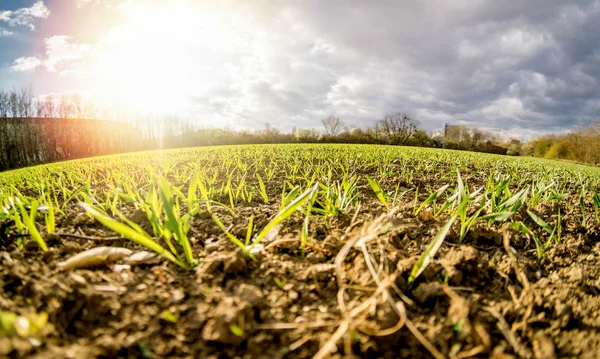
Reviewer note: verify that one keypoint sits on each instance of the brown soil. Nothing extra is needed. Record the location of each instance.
(474, 300)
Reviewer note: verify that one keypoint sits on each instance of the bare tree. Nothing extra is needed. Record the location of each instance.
(50, 106)
(269, 130)
(41, 107)
(460, 134)
(4, 135)
(478, 136)
(4, 104)
(45, 107)
(333, 125)
(65, 109)
(397, 127)
(89, 110)
(77, 105)
(13, 103)
(25, 100)
(308, 135)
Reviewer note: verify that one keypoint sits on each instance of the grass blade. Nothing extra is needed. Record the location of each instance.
(263, 190)
(522, 228)
(434, 196)
(173, 222)
(378, 192)
(285, 213)
(130, 233)
(499, 216)
(430, 252)
(250, 229)
(540, 222)
(231, 237)
(29, 222)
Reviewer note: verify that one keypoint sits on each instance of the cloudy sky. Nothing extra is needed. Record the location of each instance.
(525, 67)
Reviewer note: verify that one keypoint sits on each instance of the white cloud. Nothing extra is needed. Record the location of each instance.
(25, 64)
(4, 32)
(106, 3)
(25, 16)
(504, 107)
(62, 55)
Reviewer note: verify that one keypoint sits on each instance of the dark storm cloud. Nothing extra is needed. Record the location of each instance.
(509, 65)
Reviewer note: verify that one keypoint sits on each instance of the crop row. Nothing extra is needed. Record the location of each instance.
(537, 198)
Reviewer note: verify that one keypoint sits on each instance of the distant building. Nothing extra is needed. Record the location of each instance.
(453, 132)
(448, 129)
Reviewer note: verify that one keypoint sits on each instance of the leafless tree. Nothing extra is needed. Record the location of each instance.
(397, 127)
(25, 100)
(4, 104)
(269, 130)
(461, 134)
(89, 110)
(45, 107)
(39, 108)
(77, 105)
(478, 136)
(50, 106)
(333, 125)
(13, 103)
(65, 108)
(308, 135)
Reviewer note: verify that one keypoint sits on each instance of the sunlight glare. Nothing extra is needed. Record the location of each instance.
(148, 63)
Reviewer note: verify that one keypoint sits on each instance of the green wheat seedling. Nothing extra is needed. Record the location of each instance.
(538, 192)
(582, 204)
(596, 205)
(397, 195)
(136, 234)
(345, 193)
(463, 201)
(338, 197)
(523, 229)
(29, 221)
(305, 238)
(262, 189)
(545, 226)
(558, 227)
(285, 213)
(381, 196)
(506, 208)
(540, 222)
(250, 230)
(49, 210)
(431, 199)
(233, 238)
(430, 252)
(287, 198)
(173, 220)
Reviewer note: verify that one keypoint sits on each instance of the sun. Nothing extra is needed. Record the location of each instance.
(150, 63)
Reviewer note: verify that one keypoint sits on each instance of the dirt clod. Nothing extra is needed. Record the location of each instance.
(229, 322)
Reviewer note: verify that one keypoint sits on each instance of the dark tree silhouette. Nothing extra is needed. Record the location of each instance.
(398, 128)
(333, 125)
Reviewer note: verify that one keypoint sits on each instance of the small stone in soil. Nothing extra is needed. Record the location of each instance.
(252, 294)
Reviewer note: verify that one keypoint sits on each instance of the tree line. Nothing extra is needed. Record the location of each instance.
(60, 127)
(36, 130)
(391, 129)
(43, 131)
(581, 144)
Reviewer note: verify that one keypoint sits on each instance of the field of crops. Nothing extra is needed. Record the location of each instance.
(300, 251)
